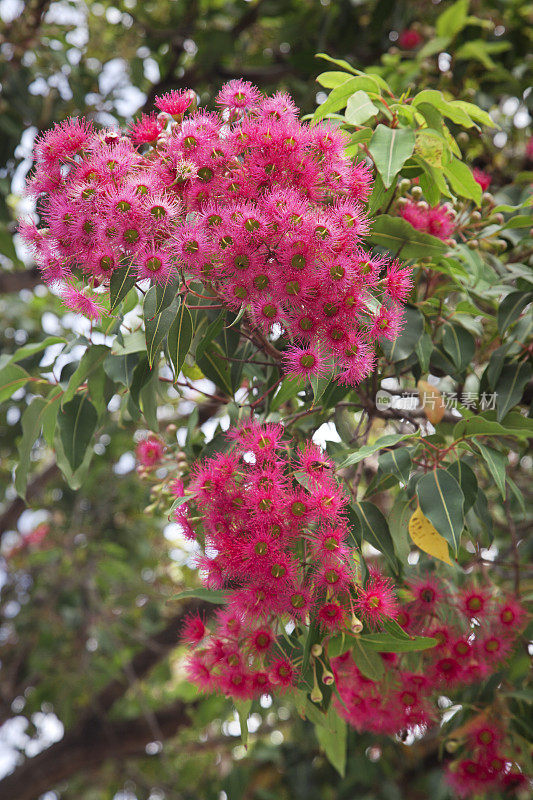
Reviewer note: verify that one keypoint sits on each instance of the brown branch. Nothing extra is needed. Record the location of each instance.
(87, 746)
(20, 279)
(96, 737)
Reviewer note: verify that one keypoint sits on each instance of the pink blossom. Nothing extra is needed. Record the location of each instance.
(483, 178)
(409, 39)
(150, 451)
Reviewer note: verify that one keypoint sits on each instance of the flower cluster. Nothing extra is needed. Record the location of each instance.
(265, 210)
(273, 536)
(475, 633)
(487, 769)
(436, 220)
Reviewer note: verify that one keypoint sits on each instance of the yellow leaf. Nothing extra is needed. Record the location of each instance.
(431, 401)
(427, 538)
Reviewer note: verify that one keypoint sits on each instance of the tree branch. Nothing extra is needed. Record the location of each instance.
(87, 746)
(20, 279)
(96, 737)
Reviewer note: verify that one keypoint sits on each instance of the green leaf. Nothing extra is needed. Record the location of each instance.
(479, 518)
(32, 422)
(430, 145)
(213, 330)
(180, 337)
(404, 344)
(319, 387)
(442, 501)
(433, 46)
(510, 387)
(243, 711)
(359, 108)
(496, 463)
(121, 368)
(514, 424)
(156, 326)
(398, 519)
(131, 343)
(148, 401)
(338, 97)
(179, 501)
(74, 478)
(368, 449)
(49, 417)
(397, 461)
(217, 596)
(122, 280)
(395, 630)
(12, 377)
(480, 50)
(142, 374)
(165, 294)
(362, 135)
(339, 62)
(215, 367)
(511, 307)
(367, 660)
(77, 424)
(372, 526)
(331, 79)
(447, 108)
(332, 737)
(399, 236)
(32, 349)
(390, 148)
(459, 344)
(453, 19)
(467, 480)
(288, 389)
(380, 196)
(385, 643)
(92, 359)
(462, 181)
(423, 350)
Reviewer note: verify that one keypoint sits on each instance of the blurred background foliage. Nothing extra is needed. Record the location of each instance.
(90, 593)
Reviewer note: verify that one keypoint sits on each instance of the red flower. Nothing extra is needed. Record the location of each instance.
(409, 39)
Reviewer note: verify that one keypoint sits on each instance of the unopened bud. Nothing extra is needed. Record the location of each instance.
(356, 624)
(316, 695)
(404, 185)
(316, 650)
(328, 677)
(416, 192)
(452, 745)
